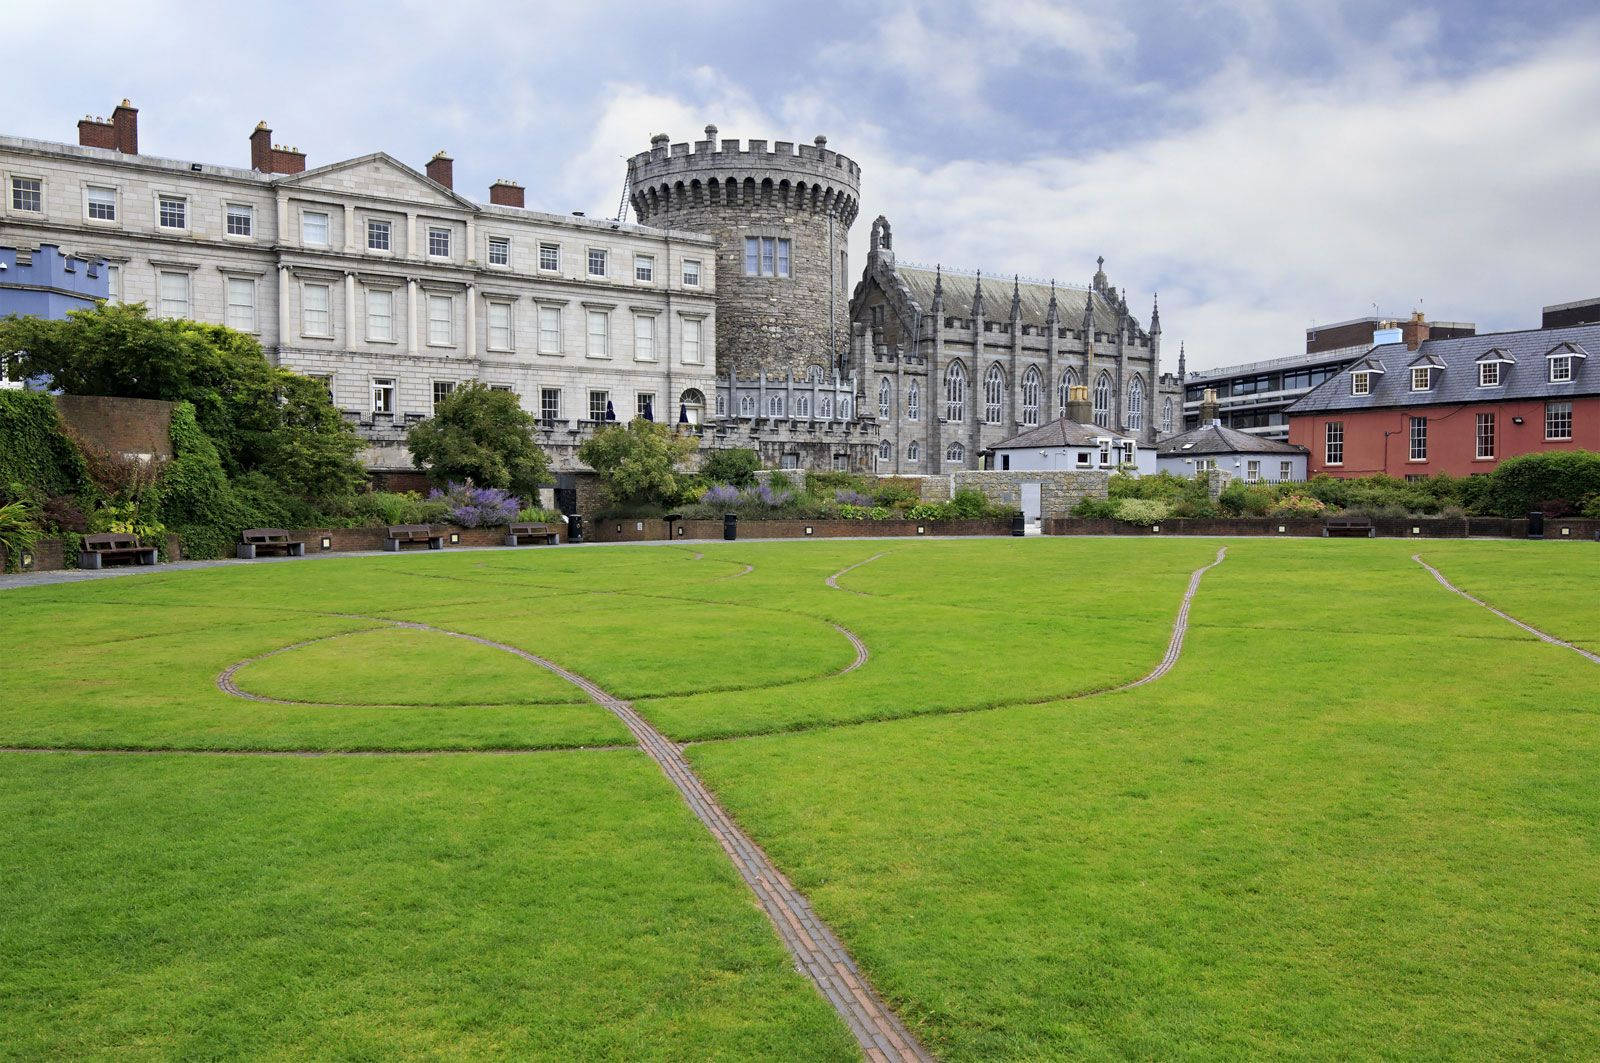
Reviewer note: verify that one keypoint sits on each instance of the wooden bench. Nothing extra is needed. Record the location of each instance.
(116, 547)
(253, 542)
(1349, 526)
(536, 533)
(405, 534)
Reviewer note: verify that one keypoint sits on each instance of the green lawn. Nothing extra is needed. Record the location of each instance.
(1359, 819)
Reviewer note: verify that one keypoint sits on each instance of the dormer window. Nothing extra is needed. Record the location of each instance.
(1488, 374)
(1361, 382)
(1560, 368)
(1421, 378)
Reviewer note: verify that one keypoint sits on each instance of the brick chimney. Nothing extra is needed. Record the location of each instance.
(1210, 409)
(121, 133)
(506, 194)
(1079, 408)
(1415, 331)
(96, 133)
(267, 157)
(442, 168)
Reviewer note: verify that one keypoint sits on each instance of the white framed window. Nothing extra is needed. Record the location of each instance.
(1167, 414)
(644, 268)
(313, 228)
(598, 401)
(802, 405)
(692, 354)
(100, 203)
(1485, 435)
(747, 405)
(549, 330)
(380, 315)
(691, 273)
(1102, 401)
(1136, 404)
(113, 284)
(1285, 471)
(994, 387)
(825, 407)
(438, 242)
(383, 394)
(550, 257)
(644, 337)
(1252, 470)
(1361, 383)
(885, 451)
(1069, 380)
(1488, 374)
(1333, 443)
(499, 250)
(172, 294)
(241, 219)
(1560, 368)
(441, 320)
(692, 405)
(1030, 396)
(1558, 420)
(442, 389)
(27, 193)
(241, 312)
(1085, 460)
(597, 262)
(380, 235)
(955, 393)
(766, 256)
(913, 451)
(326, 380)
(1421, 378)
(1419, 439)
(599, 334)
(172, 212)
(549, 404)
(885, 398)
(914, 401)
(503, 387)
(955, 452)
(316, 305)
(644, 405)
(500, 331)
(775, 404)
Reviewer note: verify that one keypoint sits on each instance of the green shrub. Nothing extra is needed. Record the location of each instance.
(637, 463)
(1247, 500)
(823, 483)
(896, 494)
(1096, 509)
(781, 481)
(969, 503)
(483, 437)
(18, 532)
(197, 500)
(35, 452)
(1144, 511)
(736, 466)
(539, 515)
(1557, 483)
(1298, 506)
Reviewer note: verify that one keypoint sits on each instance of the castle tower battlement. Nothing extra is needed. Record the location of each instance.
(781, 216)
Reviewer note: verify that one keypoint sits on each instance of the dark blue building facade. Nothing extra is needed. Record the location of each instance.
(45, 283)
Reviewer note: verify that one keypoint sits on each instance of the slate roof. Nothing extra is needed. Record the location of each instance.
(1526, 376)
(959, 290)
(1059, 433)
(1218, 439)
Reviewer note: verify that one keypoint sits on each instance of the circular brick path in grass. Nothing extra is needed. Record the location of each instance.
(1543, 636)
(833, 580)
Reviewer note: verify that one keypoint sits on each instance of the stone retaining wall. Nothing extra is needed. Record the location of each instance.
(1404, 528)
(654, 529)
(1059, 489)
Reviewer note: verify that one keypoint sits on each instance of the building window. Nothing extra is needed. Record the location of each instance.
(550, 405)
(747, 405)
(1488, 374)
(885, 451)
(775, 404)
(314, 228)
(1285, 471)
(101, 203)
(326, 380)
(1421, 378)
(380, 316)
(994, 386)
(913, 451)
(599, 334)
(1485, 435)
(914, 401)
(1102, 401)
(1069, 380)
(441, 320)
(1252, 470)
(500, 336)
(241, 313)
(1166, 415)
(1561, 369)
(549, 330)
(691, 341)
(766, 256)
(825, 408)
(644, 268)
(113, 284)
(691, 273)
(644, 405)
(380, 237)
(722, 404)
(499, 251)
(788, 461)
(27, 193)
(442, 390)
(1333, 443)
(597, 262)
(1136, 405)
(1419, 439)
(316, 318)
(955, 452)
(644, 337)
(383, 395)
(598, 401)
(1558, 420)
(172, 294)
(802, 405)
(691, 406)
(955, 393)
(885, 398)
(241, 219)
(438, 242)
(550, 257)
(1361, 383)
(173, 212)
(1030, 396)
(503, 387)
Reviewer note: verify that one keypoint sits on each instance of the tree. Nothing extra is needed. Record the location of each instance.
(637, 462)
(484, 436)
(312, 452)
(735, 466)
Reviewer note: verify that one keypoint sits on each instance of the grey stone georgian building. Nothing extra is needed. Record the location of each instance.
(951, 364)
(384, 281)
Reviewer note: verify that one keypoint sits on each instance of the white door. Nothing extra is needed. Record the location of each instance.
(1030, 503)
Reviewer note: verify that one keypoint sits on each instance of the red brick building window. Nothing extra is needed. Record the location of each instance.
(1485, 435)
(1333, 443)
(1558, 420)
(1419, 439)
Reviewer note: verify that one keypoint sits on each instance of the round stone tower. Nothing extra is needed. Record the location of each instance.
(781, 219)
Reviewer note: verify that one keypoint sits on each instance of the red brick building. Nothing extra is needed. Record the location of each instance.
(1459, 405)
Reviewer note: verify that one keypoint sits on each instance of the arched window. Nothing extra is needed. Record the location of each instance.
(1136, 404)
(913, 451)
(955, 452)
(747, 405)
(1102, 400)
(1030, 396)
(845, 404)
(1069, 380)
(774, 405)
(815, 374)
(913, 401)
(825, 407)
(885, 451)
(802, 405)
(994, 392)
(885, 398)
(955, 393)
(722, 405)
(692, 406)
(1166, 415)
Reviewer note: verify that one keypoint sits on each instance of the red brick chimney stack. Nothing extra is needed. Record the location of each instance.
(506, 194)
(442, 168)
(1415, 331)
(121, 133)
(267, 157)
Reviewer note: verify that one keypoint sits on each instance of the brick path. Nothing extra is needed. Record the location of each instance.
(833, 580)
(1180, 627)
(1529, 628)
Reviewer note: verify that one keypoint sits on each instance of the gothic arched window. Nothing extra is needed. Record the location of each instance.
(1136, 405)
(1069, 380)
(825, 407)
(913, 401)
(913, 451)
(994, 391)
(885, 398)
(1166, 415)
(802, 405)
(1030, 396)
(1102, 400)
(955, 452)
(885, 451)
(722, 405)
(955, 393)
(747, 405)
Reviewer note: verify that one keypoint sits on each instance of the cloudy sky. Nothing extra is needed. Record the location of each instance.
(1264, 166)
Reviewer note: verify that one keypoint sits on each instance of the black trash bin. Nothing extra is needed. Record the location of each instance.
(1019, 523)
(730, 526)
(1536, 525)
(574, 529)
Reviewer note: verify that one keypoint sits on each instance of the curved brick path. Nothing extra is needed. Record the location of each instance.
(1180, 627)
(833, 580)
(1529, 628)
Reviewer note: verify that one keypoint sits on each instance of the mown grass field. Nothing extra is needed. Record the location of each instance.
(1359, 819)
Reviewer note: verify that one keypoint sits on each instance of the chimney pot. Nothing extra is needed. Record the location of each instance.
(1415, 331)
(441, 168)
(506, 194)
(125, 121)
